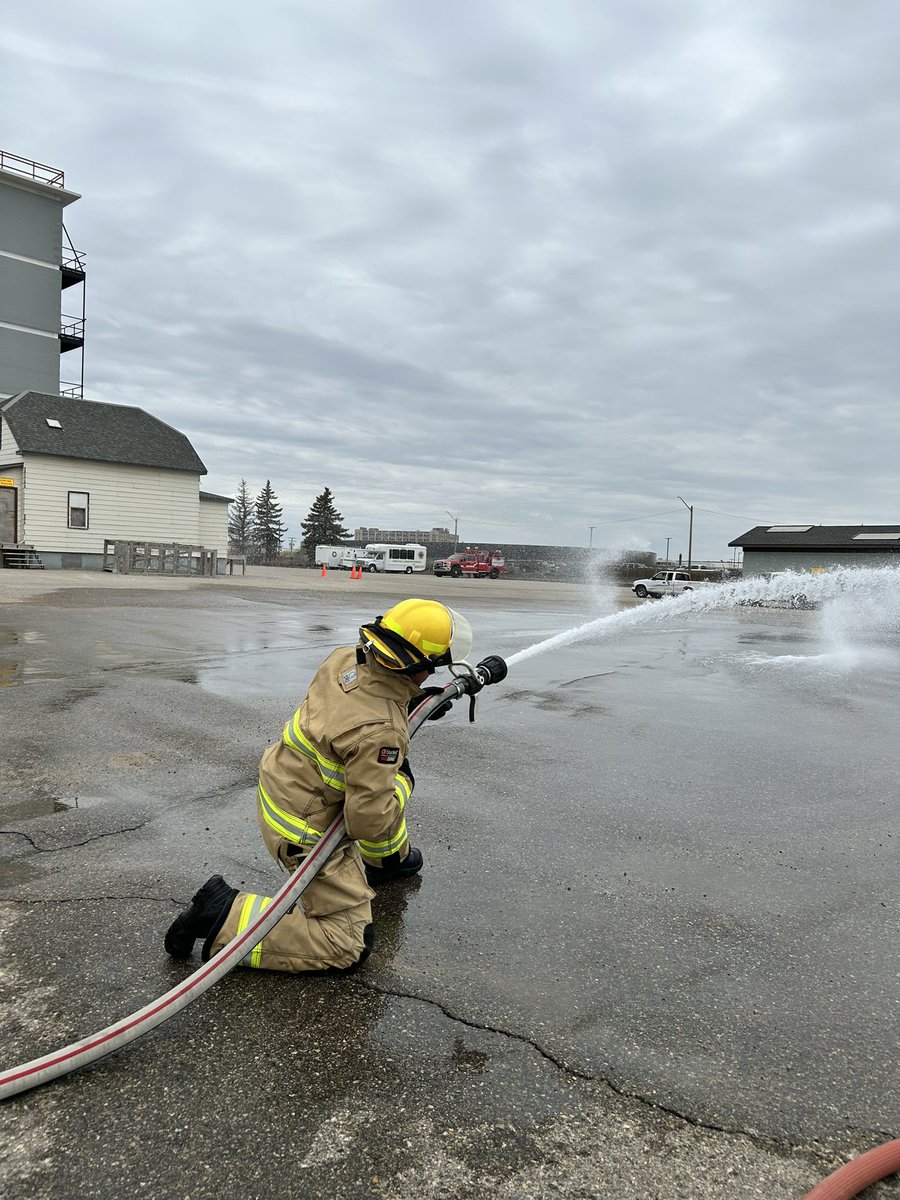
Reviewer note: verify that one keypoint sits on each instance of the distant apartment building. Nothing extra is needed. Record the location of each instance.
(38, 267)
(421, 537)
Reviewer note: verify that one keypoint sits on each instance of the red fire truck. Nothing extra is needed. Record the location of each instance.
(474, 564)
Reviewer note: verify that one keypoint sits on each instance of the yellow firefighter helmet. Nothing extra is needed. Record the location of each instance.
(418, 635)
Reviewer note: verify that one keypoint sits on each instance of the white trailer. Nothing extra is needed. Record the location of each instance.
(338, 558)
(383, 556)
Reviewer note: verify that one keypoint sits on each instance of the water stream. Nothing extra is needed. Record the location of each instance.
(854, 604)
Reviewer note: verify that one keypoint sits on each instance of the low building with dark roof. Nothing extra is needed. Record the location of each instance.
(769, 548)
(75, 473)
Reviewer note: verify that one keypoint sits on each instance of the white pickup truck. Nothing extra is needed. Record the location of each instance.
(666, 583)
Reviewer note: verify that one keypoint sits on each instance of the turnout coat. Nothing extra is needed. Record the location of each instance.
(345, 748)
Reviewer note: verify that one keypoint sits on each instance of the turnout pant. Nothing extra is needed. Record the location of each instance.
(324, 929)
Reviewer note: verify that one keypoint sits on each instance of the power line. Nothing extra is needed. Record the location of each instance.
(735, 516)
(643, 517)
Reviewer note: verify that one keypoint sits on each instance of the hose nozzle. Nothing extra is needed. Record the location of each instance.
(491, 669)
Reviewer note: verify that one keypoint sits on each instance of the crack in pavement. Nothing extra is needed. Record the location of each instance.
(70, 845)
(760, 1140)
(763, 1142)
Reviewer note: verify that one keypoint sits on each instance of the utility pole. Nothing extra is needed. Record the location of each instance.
(667, 550)
(455, 523)
(690, 509)
(591, 542)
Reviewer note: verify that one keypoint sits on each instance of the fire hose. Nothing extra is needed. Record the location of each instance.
(467, 681)
(858, 1174)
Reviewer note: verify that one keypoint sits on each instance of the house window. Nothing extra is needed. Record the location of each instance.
(78, 510)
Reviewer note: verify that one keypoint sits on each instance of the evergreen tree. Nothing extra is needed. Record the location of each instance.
(323, 526)
(268, 528)
(240, 522)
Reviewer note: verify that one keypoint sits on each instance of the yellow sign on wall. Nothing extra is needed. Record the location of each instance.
(7, 483)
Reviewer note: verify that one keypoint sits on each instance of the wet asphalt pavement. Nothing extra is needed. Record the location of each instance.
(653, 952)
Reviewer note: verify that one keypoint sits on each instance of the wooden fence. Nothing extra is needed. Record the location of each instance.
(157, 558)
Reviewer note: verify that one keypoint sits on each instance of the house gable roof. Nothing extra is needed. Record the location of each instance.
(819, 537)
(86, 429)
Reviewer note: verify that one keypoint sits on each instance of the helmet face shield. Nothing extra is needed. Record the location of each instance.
(461, 639)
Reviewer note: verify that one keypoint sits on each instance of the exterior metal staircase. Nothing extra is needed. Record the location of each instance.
(21, 555)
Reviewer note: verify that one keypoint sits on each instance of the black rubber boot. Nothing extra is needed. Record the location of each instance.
(368, 945)
(393, 868)
(209, 904)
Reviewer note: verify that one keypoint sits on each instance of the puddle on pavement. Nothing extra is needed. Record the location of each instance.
(755, 637)
(32, 658)
(45, 806)
(72, 697)
(178, 674)
(15, 870)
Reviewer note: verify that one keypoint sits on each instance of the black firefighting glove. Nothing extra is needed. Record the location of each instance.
(393, 867)
(406, 769)
(441, 708)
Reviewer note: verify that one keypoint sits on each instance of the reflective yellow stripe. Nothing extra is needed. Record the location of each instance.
(256, 952)
(332, 773)
(244, 921)
(383, 849)
(402, 790)
(244, 918)
(292, 829)
(250, 910)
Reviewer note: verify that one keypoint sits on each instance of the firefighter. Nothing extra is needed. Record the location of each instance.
(345, 748)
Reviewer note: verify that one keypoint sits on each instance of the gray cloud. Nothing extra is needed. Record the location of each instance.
(545, 266)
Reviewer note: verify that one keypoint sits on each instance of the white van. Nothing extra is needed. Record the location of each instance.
(380, 556)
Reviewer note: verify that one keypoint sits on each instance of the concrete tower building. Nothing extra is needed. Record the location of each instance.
(38, 266)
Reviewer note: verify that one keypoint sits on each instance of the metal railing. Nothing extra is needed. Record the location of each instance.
(73, 260)
(39, 172)
(72, 327)
(75, 390)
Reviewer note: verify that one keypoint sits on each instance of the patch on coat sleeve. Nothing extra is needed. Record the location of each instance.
(349, 679)
(388, 754)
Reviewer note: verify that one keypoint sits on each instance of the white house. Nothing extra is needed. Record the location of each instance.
(74, 473)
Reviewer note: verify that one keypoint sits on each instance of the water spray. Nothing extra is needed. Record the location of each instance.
(876, 584)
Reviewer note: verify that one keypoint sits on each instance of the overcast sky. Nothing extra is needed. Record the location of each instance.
(544, 265)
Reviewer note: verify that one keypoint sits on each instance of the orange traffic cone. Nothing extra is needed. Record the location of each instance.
(324, 570)
(356, 573)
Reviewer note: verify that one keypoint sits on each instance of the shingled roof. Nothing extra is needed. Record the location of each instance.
(820, 537)
(86, 429)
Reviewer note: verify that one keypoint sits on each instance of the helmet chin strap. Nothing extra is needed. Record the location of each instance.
(410, 660)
